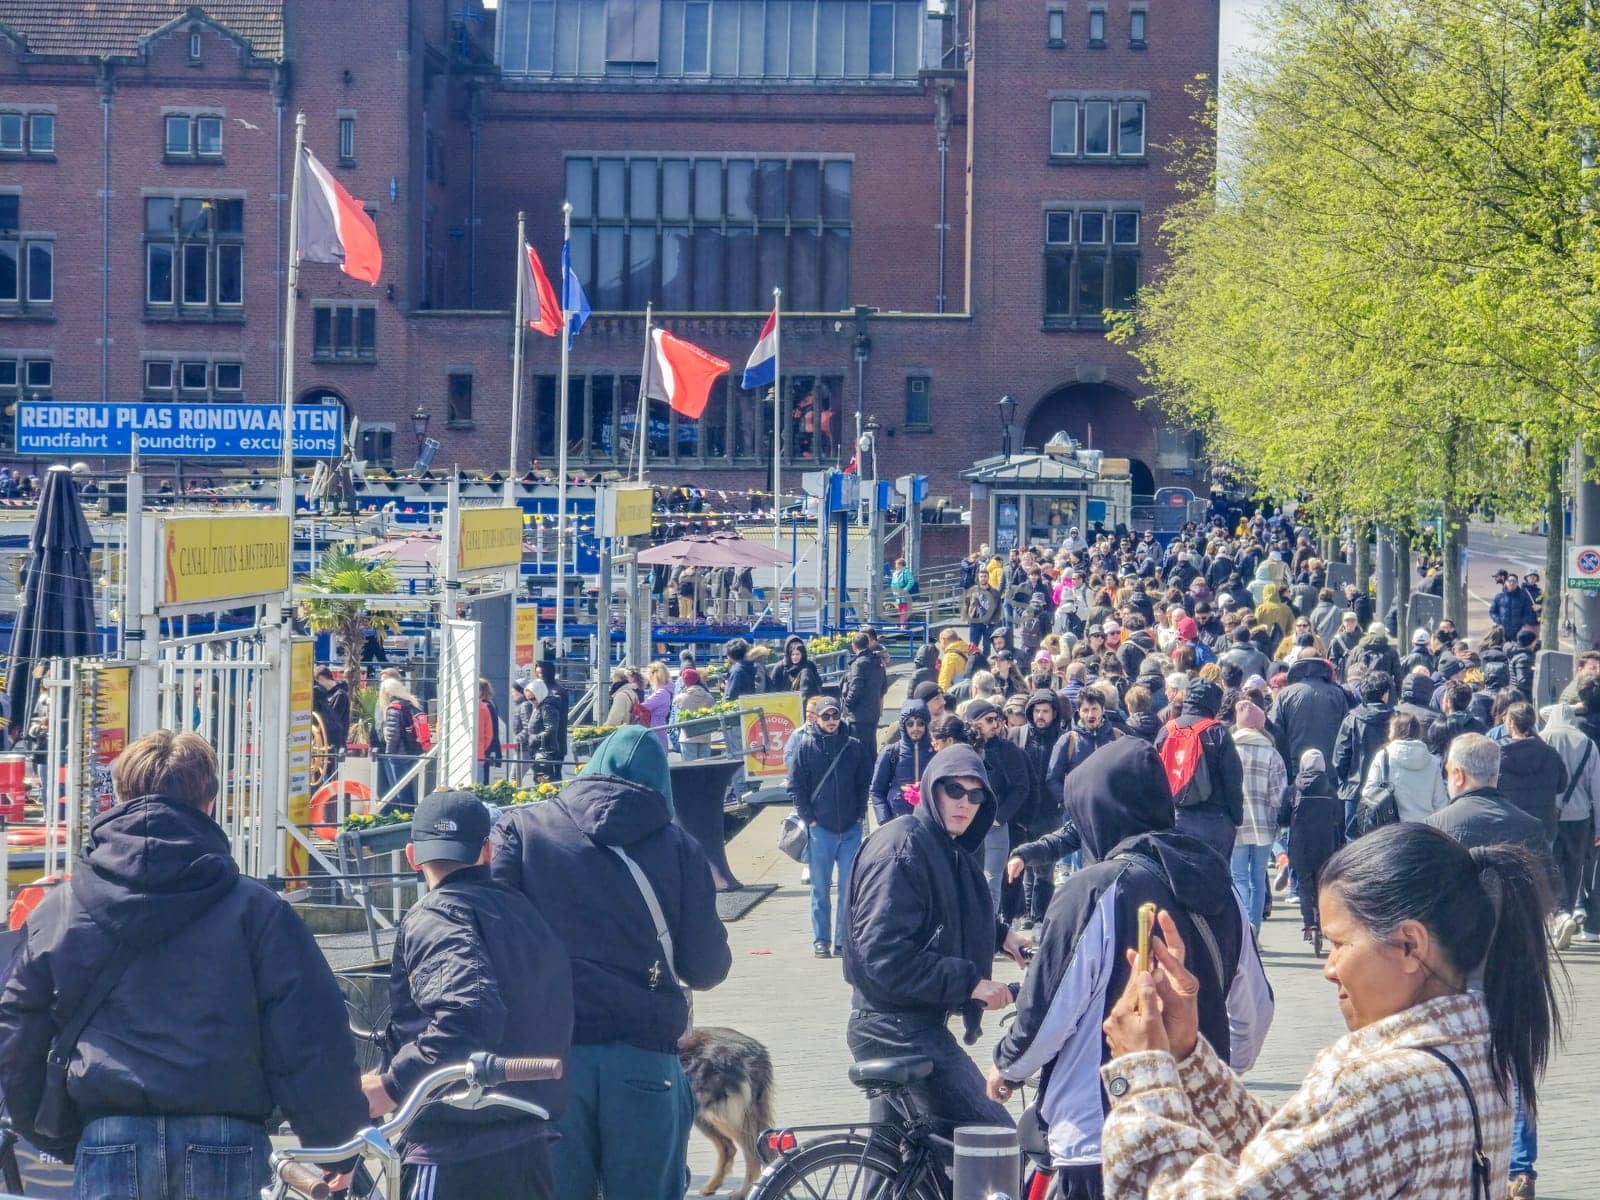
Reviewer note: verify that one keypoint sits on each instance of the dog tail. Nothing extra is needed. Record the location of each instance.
(758, 1116)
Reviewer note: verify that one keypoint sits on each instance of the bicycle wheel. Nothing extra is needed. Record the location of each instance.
(844, 1167)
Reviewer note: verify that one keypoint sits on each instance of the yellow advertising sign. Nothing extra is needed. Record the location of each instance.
(489, 538)
(223, 558)
(634, 508)
(111, 689)
(765, 733)
(525, 637)
(297, 805)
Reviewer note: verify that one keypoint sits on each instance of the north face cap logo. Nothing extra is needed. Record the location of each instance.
(446, 825)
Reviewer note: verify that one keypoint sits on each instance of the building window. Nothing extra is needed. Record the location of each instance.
(1055, 26)
(27, 264)
(1097, 271)
(347, 141)
(754, 41)
(344, 332)
(711, 234)
(1097, 128)
(1136, 20)
(1097, 27)
(41, 133)
(39, 376)
(228, 377)
(918, 415)
(193, 138)
(194, 258)
(194, 46)
(377, 445)
(11, 124)
(27, 134)
(193, 378)
(458, 407)
(157, 378)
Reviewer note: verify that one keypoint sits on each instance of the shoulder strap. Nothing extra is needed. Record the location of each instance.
(1480, 1160)
(648, 893)
(66, 1041)
(1572, 784)
(1202, 926)
(828, 774)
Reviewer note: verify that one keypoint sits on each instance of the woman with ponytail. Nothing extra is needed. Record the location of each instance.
(1445, 982)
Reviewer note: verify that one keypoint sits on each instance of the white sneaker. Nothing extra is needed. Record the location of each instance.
(1561, 930)
(805, 876)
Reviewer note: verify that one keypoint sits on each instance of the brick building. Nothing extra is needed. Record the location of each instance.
(949, 195)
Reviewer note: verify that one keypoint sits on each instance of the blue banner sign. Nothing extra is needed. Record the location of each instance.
(47, 428)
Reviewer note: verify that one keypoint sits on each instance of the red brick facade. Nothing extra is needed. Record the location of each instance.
(447, 151)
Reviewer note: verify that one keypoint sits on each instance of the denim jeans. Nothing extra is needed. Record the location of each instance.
(1524, 1142)
(827, 850)
(171, 1158)
(693, 750)
(996, 847)
(953, 1095)
(625, 1132)
(1250, 879)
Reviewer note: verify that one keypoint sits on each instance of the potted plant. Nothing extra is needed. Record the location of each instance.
(341, 573)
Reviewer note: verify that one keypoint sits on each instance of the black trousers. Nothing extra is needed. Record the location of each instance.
(520, 1173)
(1574, 841)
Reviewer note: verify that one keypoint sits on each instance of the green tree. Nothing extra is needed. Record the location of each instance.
(341, 574)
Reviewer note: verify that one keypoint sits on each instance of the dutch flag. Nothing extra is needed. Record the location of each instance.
(759, 371)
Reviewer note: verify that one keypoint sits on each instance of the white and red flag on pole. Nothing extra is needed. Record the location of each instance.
(333, 227)
(682, 373)
(540, 308)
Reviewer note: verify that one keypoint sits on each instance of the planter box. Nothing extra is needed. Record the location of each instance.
(699, 726)
(382, 839)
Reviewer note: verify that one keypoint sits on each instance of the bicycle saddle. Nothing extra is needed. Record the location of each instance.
(890, 1072)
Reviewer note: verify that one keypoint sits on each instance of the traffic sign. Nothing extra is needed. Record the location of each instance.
(1583, 568)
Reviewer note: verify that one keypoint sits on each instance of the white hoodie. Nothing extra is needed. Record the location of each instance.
(1419, 789)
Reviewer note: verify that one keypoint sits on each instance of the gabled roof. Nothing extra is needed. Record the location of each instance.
(117, 28)
(1030, 468)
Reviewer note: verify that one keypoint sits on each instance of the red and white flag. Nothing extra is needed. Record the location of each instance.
(540, 308)
(682, 373)
(333, 227)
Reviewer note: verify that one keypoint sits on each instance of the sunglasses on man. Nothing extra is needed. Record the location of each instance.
(959, 791)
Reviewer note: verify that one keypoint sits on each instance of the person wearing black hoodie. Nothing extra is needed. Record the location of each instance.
(569, 855)
(796, 673)
(1121, 807)
(1215, 816)
(1361, 734)
(1315, 816)
(924, 667)
(1027, 898)
(222, 1010)
(1010, 784)
(901, 762)
(922, 940)
(861, 691)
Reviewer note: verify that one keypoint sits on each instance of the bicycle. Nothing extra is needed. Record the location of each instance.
(299, 1171)
(901, 1158)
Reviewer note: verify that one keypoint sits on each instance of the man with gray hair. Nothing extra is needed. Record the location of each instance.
(1477, 814)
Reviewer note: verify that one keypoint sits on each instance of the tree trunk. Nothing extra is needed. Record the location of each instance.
(1453, 549)
(1554, 551)
(1362, 533)
(1402, 580)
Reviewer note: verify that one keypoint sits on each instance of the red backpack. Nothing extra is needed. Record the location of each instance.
(638, 714)
(1185, 760)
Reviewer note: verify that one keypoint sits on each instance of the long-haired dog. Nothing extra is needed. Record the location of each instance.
(731, 1078)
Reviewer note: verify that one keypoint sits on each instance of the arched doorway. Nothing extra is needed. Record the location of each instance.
(1103, 417)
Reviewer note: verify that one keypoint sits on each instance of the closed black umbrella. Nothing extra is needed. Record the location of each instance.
(56, 617)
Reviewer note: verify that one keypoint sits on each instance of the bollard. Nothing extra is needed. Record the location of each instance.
(988, 1163)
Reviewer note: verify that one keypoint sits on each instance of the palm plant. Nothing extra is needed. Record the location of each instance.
(341, 573)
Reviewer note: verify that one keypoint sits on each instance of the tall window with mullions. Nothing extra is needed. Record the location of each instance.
(711, 234)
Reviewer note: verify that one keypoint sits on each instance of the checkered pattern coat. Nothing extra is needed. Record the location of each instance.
(1374, 1118)
(1265, 778)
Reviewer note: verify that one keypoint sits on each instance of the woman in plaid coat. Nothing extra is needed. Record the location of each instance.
(1444, 979)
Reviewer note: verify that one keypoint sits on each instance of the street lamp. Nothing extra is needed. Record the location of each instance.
(419, 426)
(1008, 412)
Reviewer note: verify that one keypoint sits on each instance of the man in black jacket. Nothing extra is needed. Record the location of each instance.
(1309, 710)
(1361, 734)
(1027, 898)
(569, 856)
(1478, 815)
(865, 682)
(474, 968)
(828, 786)
(922, 941)
(223, 1010)
(1010, 783)
(1214, 817)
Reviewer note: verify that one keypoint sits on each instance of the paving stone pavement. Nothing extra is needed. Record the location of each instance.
(797, 1005)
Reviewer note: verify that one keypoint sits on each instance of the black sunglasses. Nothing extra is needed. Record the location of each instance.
(958, 791)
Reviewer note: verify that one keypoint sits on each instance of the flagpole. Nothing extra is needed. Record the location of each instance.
(777, 415)
(516, 352)
(641, 428)
(286, 496)
(561, 439)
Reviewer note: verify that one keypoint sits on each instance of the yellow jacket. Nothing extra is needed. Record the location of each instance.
(952, 665)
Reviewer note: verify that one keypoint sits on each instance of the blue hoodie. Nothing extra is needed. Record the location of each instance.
(899, 763)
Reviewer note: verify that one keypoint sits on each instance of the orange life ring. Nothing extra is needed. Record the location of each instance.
(28, 899)
(32, 835)
(325, 805)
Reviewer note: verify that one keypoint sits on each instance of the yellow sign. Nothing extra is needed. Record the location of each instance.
(489, 538)
(634, 508)
(766, 732)
(223, 558)
(298, 800)
(526, 637)
(111, 690)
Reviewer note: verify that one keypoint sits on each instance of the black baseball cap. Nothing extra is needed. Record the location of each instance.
(828, 704)
(449, 825)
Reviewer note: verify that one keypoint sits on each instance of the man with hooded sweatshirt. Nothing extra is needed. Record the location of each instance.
(1315, 816)
(220, 1006)
(1309, 710)
(1122, 809)
(1361, 734)
(1028, 897)
(901, 762)
(796, 673)
(1010, 785)
(922, 941)
(1209, 796)
(1273, 612)
(1375, 652)
(574, 857)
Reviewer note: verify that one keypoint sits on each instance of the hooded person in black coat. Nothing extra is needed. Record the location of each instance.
(922, 939)
(901, 762)
(796, 672)
(1315, 816)
(1122, 808)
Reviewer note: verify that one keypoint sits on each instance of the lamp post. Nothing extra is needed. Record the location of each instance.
(419, 426)
(1008, 412)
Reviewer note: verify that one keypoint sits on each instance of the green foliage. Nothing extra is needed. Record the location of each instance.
(340, 573)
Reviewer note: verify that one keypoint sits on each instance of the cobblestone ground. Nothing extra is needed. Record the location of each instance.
(797, 1005)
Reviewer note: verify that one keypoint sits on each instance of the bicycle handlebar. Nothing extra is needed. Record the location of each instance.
(307, 1180)
(493, 1071)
